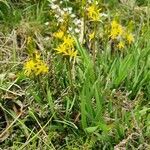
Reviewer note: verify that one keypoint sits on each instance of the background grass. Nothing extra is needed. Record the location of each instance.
(81, 105)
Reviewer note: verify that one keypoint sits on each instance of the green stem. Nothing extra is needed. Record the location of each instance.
(94, 46)
(40, 85)
(70, 73)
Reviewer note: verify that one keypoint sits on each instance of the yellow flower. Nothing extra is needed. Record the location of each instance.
(66, 50)
(35, 66)
(41, 68)
(114, 24)
(72, 53)
(130, 38)
(29, 67)
(121, 45)
(120, 30)
(61, 49)
(93, 12)
(59, 34)
(116, 30)
(114, 33)
(68, 41)
(67, 47)
(91, 36)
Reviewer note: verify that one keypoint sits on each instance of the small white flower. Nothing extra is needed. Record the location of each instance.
(65, 9)
(70, 28)
(72, 15)
(59, 10)
(77, 30)
(47, 38)
(69, 12)
(60, 20)
(104, 15)
(96, 3)
(77, 21)
(57, 16)
(62, 12)
(70, 9)
(89, 1)
(46, 23)
(54, 6)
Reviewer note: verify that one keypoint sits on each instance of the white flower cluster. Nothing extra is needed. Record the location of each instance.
(60, 12)
(91, 1)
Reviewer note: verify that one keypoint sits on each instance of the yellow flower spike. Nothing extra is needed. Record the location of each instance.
(72, 53)
(67, 47)
(61, 49)
(114, 24)
(68, 41)
(121, 45)
(41, 68)
(29, 67)
(114, 34)
(120, 30)
(116, 30)
(93, 12)
(35, 66)
(130, 38)
(59, 34)
(91, 36)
